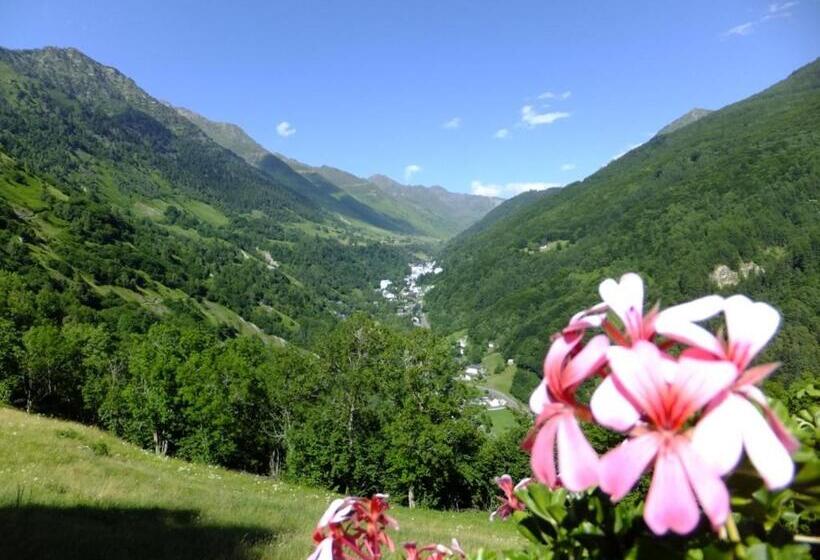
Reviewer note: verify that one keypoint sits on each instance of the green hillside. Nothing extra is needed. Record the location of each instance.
(106, 189)
(738, 187)
(323, 193)
(74, 492)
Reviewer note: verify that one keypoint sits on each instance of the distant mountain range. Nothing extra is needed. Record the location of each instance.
(723, 201)
(380, 201)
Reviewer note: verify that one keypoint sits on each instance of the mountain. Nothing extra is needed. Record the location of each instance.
(323, 193)
(687, 119)
(451, 212)
(727, 204)
(378, 201)
(109, 193)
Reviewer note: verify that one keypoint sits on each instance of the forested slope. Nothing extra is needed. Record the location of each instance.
(739, 187)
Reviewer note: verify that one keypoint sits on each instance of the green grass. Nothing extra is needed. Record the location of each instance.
(206, 212)
(493, 363)
(69, 491)
(502, 420)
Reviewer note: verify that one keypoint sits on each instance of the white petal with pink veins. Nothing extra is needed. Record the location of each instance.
(670, 503)
(611, 408)
(539, 398)
(577, 461)
(750, 324)
(706, 482)
(621, 467)
(718, 438)
(765, 450)
(624, 295)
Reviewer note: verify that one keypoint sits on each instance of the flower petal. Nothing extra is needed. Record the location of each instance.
(587, 362)
(624, 295)
(621, 467)
(641, 375)
(611, 408)
(706, 482)
(577, 461)
(697, 383)
(554, 361)
(323, 551)
(749, 325)
(670, 503)
(678, 323)
(542, 457)
(766, 452)
(539, 397)
(717, 437)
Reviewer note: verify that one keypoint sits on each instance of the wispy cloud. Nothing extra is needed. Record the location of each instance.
(508, 189)
(284, 129)
(501, 133)
(530, 117)
(776, 10)
(455, 122)
(740, 30)
(551, 95)
(568, 167)
(411, 170)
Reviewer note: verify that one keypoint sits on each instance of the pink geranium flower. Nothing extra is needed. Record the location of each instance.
(510, 502)
(554, 403)
(734, 422)
(625, 299)
(667, 393)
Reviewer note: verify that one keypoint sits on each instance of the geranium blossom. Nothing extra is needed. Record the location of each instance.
(554, 403)
(353, 524)
(625, 299)
(667, 393)
(734, 422)
(510, 502)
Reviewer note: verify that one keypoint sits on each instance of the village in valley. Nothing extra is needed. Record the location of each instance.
(492, 377)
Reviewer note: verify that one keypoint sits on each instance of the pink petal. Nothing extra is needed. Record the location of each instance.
(542, 457)
(522, 484)
(706, 482)
(338, 511)
(766, 452)
(670, 503)
(324, 550)
(611, 408)
(641, 375)
(750, 325)
(624, 295)
(717, 437)
(554, 361)
(577, 461)
(539, 398)
(757, 374)
(700, 381)
(505, 482)
(621, 467)
(678, 323)
(586, 362)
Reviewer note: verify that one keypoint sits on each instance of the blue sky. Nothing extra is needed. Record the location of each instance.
(489, 96)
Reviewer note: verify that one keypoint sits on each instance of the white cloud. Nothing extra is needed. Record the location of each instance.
(284, 129)
(741, 30)
(530, 117)
(501, 133)
(411, 170)
(551, 95)
(778, 7)
(568, 167)
(509, 189)
(455, 122)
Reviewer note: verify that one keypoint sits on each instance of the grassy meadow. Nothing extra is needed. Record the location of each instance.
(70, 491)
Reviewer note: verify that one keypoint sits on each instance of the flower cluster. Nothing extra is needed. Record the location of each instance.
(356, 528)
(687, 400)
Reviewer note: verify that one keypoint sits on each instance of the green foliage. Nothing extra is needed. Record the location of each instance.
(739, 185)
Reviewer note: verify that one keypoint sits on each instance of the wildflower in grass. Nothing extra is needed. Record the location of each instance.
(510, 502)
(734, 421)
(432, 551)
(354, 528)
(667, 393)
(567, 365)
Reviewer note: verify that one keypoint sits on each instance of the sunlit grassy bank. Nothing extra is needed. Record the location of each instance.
(69, 491)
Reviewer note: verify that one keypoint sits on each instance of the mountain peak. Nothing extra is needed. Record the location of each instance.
(688, 118)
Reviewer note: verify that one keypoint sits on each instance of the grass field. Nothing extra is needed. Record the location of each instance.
(69, 491)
